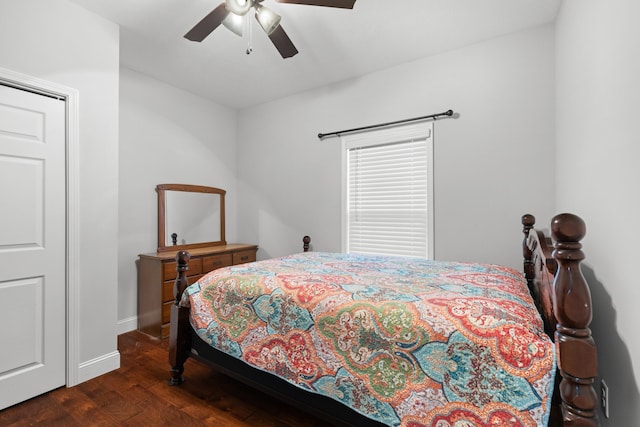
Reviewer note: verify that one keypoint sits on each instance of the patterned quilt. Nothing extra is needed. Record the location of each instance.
(407, 342)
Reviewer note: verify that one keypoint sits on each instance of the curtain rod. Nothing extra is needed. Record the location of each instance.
(431, 116)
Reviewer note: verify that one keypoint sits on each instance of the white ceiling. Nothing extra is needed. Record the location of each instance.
(334, 44)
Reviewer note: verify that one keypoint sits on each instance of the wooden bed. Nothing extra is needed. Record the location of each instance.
(555, 282)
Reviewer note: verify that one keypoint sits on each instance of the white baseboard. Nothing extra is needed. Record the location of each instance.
(98, 366)
(127, 325)
(109, 362)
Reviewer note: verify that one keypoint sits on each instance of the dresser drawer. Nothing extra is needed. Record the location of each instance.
(164, 330)
(244, 256)
(213, 262)
(166, 312)
(167, 287)
(169, 268)
(167, 291)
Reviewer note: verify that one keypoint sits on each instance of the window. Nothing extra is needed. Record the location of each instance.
(388, 191)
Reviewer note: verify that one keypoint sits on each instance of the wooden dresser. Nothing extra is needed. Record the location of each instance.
(157, 272)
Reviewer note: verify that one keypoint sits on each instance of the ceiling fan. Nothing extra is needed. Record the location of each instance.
(231, 12)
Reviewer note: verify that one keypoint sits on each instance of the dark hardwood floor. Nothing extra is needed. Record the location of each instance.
(137, 394)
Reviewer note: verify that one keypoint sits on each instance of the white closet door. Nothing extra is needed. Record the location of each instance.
(32, 245)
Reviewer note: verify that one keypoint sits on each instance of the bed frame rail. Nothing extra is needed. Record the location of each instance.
(565, 304)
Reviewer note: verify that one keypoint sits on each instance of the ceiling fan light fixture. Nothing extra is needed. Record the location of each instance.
(268, 19)
(234, 23)
(239, 7)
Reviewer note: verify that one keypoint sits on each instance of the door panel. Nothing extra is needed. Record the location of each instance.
(26, 297)
(25, 222)
(32, 244)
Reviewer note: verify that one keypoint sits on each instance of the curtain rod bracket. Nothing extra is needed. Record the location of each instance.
(447, 113)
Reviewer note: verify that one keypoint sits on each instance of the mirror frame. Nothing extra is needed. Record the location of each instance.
(162, 243)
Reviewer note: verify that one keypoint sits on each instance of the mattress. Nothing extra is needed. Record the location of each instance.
(403, 341)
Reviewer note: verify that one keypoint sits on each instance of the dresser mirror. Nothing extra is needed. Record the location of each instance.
(189, 217)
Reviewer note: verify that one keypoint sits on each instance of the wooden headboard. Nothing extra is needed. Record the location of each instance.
(564, 300)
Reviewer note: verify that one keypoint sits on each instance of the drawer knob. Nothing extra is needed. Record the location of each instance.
(244, 258)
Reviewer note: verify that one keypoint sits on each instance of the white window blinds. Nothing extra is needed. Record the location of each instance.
(388, 200)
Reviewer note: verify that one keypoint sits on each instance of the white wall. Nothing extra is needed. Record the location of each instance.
(56, 40)
(598, 98)
(503, 89)
(167, 136)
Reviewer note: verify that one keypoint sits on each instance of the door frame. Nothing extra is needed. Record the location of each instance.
(71, 97)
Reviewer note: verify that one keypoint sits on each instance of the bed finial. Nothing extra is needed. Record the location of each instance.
(568, 228)
(305, 243)
(528, 221)
(578, 362)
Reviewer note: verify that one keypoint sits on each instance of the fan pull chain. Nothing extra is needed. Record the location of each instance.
(250, 43)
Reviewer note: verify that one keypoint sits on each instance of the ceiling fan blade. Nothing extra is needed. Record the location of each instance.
(209, 23)
(344, 4)
(283, 43)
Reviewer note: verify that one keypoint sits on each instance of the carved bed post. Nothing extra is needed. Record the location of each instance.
(179, 329)
(528, 221)
(578, 359)
(305, 243)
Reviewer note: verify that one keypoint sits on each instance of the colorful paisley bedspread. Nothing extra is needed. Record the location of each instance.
(407, 342)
